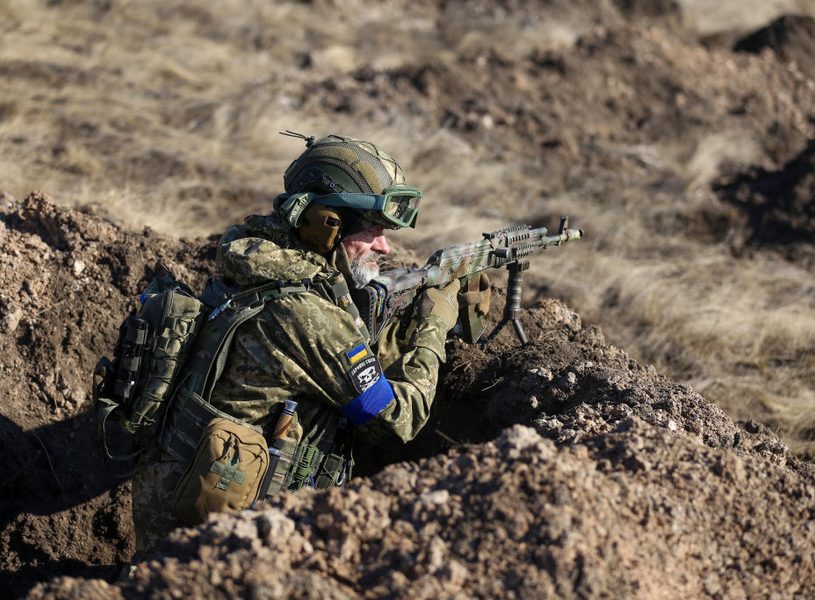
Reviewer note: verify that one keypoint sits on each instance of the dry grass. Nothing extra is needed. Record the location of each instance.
(166, 114)
(722, 327)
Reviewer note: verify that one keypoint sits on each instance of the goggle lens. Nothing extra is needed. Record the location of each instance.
(401, 206)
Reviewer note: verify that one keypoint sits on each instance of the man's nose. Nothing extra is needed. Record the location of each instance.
(381, 245)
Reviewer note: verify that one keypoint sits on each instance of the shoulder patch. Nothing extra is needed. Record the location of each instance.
(365, 373)
(361, 366)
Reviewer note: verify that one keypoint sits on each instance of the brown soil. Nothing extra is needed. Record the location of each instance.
(66, 280)
(635, 511)
(612, 479)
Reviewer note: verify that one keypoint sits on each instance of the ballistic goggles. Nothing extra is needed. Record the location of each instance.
(396, 207)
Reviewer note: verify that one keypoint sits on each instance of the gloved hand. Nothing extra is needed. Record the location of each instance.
(441, 302)
(480, 297)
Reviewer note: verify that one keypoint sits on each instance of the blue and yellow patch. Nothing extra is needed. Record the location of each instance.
(357, 354)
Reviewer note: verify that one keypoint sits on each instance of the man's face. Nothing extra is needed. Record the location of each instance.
(363, 250)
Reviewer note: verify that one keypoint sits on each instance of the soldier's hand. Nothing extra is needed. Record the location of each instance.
(478, 295)
(443, 301)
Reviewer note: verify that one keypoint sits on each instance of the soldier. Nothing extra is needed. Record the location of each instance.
(312, 348)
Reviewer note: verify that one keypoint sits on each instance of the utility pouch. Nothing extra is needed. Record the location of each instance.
(332, 472)
(472, 321)
(172, 315)
(226, 473)
(129, 359)
(135, 387)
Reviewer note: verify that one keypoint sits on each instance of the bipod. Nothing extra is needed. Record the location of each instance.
(512, 308)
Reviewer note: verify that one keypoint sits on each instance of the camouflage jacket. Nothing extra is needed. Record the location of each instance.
(304, 347)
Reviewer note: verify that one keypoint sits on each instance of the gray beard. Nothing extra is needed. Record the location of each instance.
(362, 271)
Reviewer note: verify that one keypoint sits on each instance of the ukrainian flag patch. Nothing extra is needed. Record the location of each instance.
(357, 354)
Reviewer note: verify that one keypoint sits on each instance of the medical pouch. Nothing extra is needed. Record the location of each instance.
(226, 473)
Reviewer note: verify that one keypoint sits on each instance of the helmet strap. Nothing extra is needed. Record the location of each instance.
(341, 262)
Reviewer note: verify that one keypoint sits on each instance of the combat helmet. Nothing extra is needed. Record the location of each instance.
(339, 186)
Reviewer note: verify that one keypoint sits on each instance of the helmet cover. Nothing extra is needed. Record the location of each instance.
(341, 164)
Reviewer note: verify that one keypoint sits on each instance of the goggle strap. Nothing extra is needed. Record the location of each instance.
(352, 200)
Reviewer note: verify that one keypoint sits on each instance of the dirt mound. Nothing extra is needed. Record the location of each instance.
(611, 104)
(629, 510)
(791, 37)
(66, 281)
(777, 205)
(609, 475)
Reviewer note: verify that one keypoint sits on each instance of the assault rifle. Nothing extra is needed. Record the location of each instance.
(393, 291)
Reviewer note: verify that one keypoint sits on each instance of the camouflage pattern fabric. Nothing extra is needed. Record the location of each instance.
(297, 348)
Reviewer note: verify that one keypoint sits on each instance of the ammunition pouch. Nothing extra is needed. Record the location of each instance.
(313, 468)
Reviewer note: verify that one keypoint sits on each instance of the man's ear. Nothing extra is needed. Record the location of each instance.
(320, 228)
